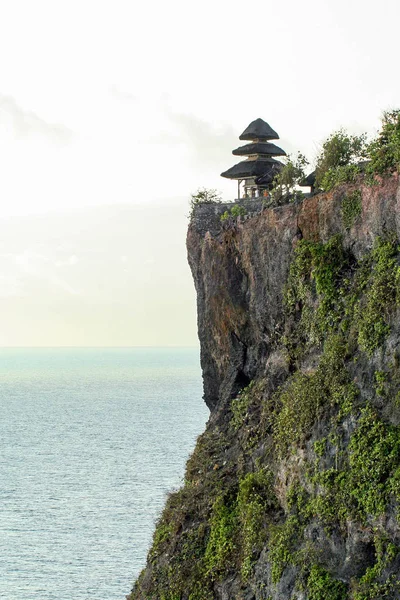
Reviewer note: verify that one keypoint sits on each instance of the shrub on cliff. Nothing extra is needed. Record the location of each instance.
(339, 158)
(204, 196)
(384, 150)
(235, 212)
(286, 181)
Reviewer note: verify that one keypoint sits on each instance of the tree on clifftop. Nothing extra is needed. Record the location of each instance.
(204, 196)
(384, 151)
(339, 158)
(288, 178)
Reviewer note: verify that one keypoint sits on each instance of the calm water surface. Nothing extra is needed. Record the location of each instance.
(91, 440)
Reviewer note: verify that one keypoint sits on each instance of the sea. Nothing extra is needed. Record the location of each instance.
(92, 440)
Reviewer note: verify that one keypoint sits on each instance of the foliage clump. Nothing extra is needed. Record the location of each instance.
(240, 406)
(302, 401)
(255, 500)
(221, 542)
(368, 477)
(238, 525)
(373, 585)
(322, 586)
(321, 297)
(287, 180)
(282, 543)
(351, 208)
(235, 212)
(384, 150)
(204, 196)
(339, 158)
(382, 292)
(345, 157)
(314, 291)
(374, 458)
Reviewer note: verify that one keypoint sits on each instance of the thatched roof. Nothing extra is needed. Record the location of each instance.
(259, 130)
(253, 168)
(259, 148)
(268, 178)
(309, 180)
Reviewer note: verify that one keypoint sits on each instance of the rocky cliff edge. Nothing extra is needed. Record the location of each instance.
(293, 490)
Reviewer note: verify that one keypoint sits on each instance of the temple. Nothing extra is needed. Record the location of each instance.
(260, 168)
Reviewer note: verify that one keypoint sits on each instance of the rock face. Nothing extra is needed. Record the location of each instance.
(293, 490)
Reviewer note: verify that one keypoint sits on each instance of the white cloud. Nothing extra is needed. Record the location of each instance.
(70, 262)
(63, 285)
(26, 123)
(39, 267)
(10, 286)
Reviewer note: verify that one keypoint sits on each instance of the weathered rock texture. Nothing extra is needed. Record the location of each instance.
(293, 490)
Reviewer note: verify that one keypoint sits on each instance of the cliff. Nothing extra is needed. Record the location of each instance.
(293, 490)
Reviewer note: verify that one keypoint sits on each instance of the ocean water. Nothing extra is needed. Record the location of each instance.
(91, 441)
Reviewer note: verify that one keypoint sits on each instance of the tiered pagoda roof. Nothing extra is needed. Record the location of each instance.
(252, 168)
(259, 130)
(259, 148)
(259, 165)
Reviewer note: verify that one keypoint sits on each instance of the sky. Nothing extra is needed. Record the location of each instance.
(112, 112)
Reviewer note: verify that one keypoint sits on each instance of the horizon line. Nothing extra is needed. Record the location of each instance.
(102, 347)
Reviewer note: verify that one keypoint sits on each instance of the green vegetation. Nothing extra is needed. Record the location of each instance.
(286, 181)
(322, 586)
(282, 542)
(362, 486)
(351, 208)
(369, 587)
(204, 196)
(384, 151)
(387, 383)
(364, 477)
(255, 500)
(316, 286)
(302, 401)
(345, 157)
(382, 293)
(245, 417)
(239, 525)
(320, 289)
(162, 534)
(240, 406)
(285, 538)
(380, 381)
(374, 454)
(320, 447)
(338, 159)
(221, 543)
(235, 212)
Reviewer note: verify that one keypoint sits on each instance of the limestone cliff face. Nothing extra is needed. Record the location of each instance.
(240, 275)
(293, 490)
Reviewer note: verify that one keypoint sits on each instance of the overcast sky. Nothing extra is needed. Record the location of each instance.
(113, 111)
